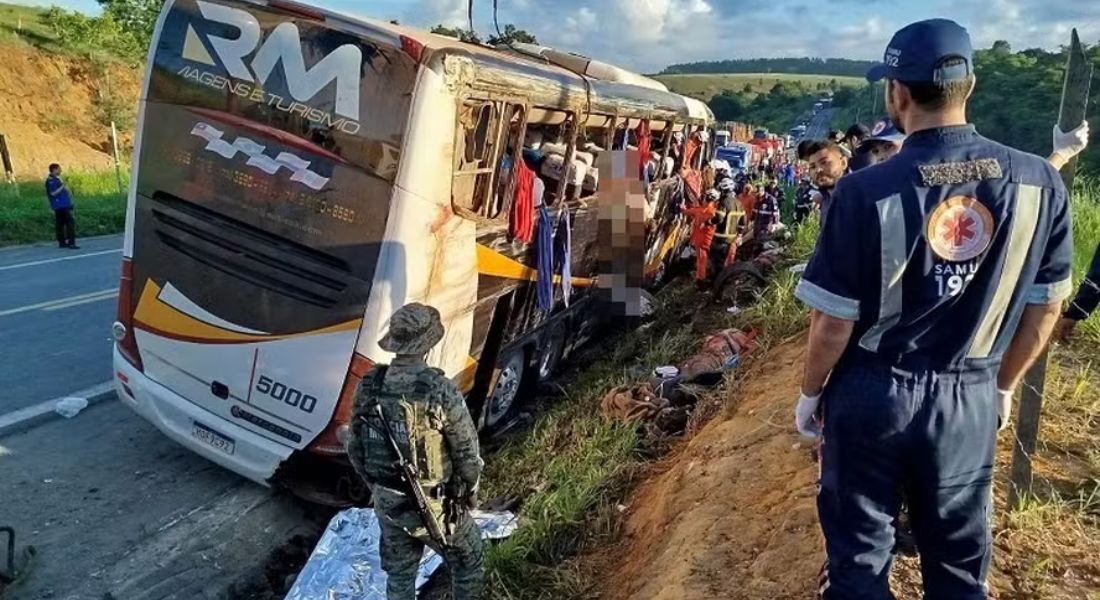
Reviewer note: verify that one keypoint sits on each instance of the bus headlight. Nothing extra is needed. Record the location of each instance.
(118, 331)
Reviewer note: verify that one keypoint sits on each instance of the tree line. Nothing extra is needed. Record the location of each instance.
(1015, 102)
(801, 66)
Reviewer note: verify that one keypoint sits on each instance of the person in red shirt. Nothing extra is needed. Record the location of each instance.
(702, 232)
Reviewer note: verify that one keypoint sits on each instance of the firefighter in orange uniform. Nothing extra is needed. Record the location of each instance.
(702, 232)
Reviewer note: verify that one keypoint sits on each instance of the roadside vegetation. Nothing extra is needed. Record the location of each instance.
(573, 472)
(25, 214)
(574, 469)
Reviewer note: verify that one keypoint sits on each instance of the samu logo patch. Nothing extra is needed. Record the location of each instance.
(959, 229)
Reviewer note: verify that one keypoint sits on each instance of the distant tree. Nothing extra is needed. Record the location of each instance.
(510, 35)
(138, 17)
(100, 35)
(1001, 48)
(834, 85)
(458, 33)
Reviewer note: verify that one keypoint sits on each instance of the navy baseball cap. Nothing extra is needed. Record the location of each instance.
(916, 53)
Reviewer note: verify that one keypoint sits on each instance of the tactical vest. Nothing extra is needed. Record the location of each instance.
(415, 417)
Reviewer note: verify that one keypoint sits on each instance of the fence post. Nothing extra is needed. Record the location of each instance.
(114, 152)
(1075, 97)
(5, 158)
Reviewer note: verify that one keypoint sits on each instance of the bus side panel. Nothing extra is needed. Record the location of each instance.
(430, 254)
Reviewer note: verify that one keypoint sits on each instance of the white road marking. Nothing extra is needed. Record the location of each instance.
(107, 296)
(63, 258)
(62, 302)
(93, 394)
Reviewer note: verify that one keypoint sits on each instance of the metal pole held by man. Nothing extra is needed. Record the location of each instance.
(1075, 98)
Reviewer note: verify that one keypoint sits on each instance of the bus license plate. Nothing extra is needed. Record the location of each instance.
(212, 438)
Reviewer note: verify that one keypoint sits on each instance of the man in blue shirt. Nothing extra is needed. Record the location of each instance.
(935, 284)
(62, 204)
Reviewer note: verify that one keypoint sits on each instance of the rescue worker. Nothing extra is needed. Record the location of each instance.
(702, 233)
(766, 212)
(430, 421)
(884, 142)
(935, 284)
(727, 238)
(803, 203)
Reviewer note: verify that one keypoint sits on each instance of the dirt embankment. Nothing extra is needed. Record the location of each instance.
(53, 108)
(732, 514)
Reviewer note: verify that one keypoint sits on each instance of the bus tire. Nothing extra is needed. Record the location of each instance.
(504, 396)
(551, 353)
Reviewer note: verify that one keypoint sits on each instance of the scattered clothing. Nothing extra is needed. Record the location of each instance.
(522, 215)
(563, 253)
(544, 282)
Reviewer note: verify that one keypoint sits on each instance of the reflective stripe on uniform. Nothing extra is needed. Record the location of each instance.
(1025, 218)
(894, 258)
(827, 302)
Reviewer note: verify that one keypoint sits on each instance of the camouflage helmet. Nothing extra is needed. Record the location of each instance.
(414, 329)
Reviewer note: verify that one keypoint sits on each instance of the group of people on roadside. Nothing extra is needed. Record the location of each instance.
(738, 208)
(939, 275)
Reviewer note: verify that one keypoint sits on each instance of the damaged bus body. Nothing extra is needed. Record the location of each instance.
(298, 176)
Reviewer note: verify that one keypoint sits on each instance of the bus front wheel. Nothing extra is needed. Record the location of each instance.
(507, 388)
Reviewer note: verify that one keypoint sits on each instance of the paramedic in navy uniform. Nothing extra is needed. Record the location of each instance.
(936, 282)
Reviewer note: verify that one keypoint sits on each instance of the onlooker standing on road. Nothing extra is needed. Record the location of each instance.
(936, 282)
(62, 204)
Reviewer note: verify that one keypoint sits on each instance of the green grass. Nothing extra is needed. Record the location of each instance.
(705, 86)
(99, 208)
(1086, 236)
(27, 24)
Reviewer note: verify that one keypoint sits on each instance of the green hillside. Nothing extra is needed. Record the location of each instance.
(706, 86)
(27, 24)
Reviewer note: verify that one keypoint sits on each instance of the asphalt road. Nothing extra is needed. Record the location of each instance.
(56, 310)
(118, 511)
(819, 125)
(115, 509)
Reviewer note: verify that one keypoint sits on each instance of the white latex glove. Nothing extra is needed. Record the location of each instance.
(805, 415)
(1070, 144)
(1004, 408)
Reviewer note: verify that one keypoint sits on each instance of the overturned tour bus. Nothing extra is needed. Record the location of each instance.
(299, 175)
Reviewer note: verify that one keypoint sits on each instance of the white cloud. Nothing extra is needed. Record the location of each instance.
(451, 13)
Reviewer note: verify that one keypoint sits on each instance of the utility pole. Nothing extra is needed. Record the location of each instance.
(1075, 98)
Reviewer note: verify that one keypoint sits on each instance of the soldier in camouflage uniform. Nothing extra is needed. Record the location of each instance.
(433, 427)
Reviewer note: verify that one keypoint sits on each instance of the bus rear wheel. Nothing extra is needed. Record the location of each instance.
(507, 388)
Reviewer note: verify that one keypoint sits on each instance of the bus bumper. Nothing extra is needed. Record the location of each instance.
(252, 456)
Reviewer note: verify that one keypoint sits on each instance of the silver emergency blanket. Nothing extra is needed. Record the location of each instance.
(346, 565)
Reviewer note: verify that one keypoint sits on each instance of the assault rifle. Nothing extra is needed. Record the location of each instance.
(408, 475)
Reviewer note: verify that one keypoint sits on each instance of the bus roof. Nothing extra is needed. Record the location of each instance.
(512, 75)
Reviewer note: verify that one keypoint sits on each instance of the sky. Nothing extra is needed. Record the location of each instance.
(647, 35)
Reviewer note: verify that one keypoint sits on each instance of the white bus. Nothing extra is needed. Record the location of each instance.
(298, 176)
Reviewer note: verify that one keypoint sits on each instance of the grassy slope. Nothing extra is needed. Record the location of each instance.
(25, 214)
(26, 23)
(574, 469)
(705, 86)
